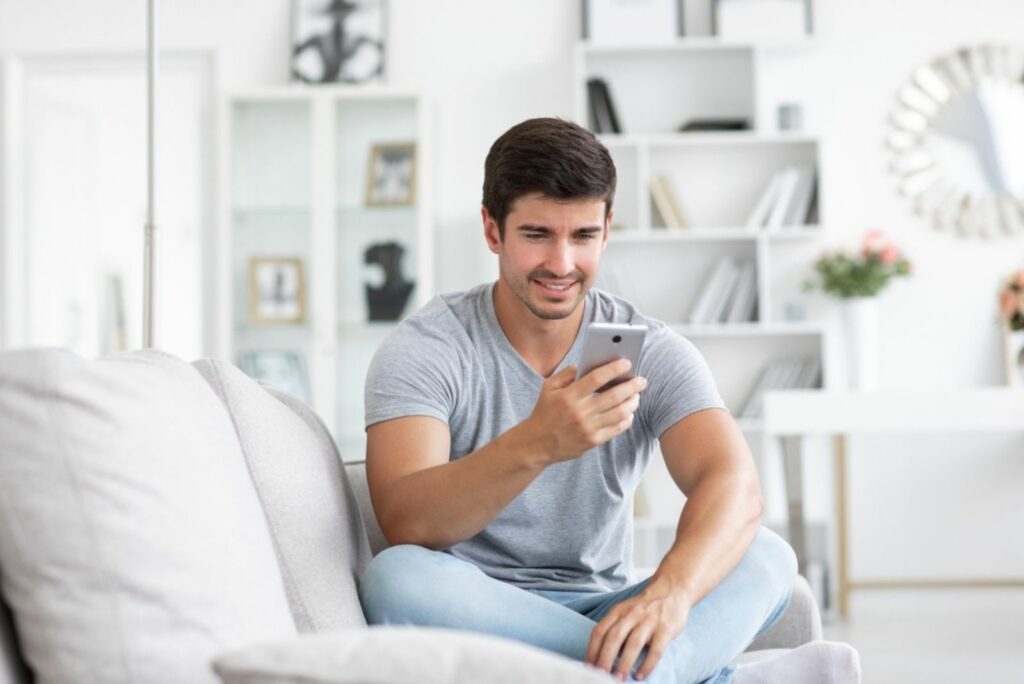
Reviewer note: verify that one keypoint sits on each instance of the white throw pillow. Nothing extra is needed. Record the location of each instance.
(132, 544)
(402, 655)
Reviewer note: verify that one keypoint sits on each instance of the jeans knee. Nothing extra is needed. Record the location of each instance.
(773, 557)
(393, 580)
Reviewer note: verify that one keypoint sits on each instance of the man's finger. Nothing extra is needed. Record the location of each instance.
(562, 378)
(654, 652)
(613, 641)
(602, 375)
(638, 638)
(622, 392)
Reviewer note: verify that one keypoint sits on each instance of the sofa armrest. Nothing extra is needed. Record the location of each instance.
(386, 655)
(799, 624)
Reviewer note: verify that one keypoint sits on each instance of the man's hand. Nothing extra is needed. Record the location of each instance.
(569, 418)
(653, 618)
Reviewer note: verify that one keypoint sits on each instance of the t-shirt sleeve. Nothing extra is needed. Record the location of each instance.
(413, 373)
(679, 381)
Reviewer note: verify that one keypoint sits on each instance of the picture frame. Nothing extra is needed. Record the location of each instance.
(391, 175)
(335, 41)
(277, 290)
(284, 369)
(632, 22)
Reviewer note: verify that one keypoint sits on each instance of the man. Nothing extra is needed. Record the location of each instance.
(505, 485)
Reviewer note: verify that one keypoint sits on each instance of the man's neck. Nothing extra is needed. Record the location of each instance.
(541, 343)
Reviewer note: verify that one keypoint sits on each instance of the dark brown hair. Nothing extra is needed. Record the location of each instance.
(557, 158)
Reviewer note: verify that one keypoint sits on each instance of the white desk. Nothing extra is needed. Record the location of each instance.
(790, 415)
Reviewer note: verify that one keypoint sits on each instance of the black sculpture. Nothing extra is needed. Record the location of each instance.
(334, 49)
(387, 302)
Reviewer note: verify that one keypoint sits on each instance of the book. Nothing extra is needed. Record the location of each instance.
(744, 302)
(759, 214)
(603, 117)
(800, 205)
(707, 300)
(721, 124)
(788, 373)
(724, 295)
(666, 204)
(788, 179)
(810, 373)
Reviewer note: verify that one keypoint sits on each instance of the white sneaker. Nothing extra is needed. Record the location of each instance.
(816, 662)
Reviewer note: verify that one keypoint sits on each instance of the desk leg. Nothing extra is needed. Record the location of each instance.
(794, 479)
(841, 527)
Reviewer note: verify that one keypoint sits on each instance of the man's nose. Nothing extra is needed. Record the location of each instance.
(560, 259)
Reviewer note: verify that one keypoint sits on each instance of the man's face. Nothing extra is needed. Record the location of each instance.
(550, 253)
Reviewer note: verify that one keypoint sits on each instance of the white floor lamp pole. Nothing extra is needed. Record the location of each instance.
(147, 269)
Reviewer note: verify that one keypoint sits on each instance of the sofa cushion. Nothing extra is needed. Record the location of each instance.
(12, 667)
(356, 472)
(132, 544)
(310, 508)
(402, 655)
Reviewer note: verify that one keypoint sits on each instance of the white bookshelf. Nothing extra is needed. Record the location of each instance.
(717, 178)
(294, 171)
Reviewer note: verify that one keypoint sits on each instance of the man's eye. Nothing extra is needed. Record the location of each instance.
(534, 236)
(585, 236)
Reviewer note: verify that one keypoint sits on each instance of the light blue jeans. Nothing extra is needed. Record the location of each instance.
(411, 585)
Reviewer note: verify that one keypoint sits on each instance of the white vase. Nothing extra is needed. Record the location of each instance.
(860, 337)
(1013, 343)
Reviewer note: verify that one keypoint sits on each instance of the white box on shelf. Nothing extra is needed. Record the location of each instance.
(633, 22)
(762, 20)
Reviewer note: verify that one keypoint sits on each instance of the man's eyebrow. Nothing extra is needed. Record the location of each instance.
(533, 228)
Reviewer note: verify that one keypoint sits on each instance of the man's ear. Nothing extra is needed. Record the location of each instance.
(491, 232)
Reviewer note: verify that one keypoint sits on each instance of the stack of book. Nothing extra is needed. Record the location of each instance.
(729, 295)
(789, 200)
(794, 373)
(668, 213)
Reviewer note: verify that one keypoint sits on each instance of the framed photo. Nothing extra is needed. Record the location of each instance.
(284, 370)
(338, 41)
(391, 176)
(277, 291)
(632, 22)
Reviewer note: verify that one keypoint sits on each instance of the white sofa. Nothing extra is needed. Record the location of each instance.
(170, 522)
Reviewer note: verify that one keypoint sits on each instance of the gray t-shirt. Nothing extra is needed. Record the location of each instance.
(571, 528)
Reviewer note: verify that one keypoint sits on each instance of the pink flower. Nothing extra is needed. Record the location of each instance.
(1007, 304)
(890, 255)
(875, 241)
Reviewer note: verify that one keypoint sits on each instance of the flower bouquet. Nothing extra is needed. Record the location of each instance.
(1011, 313)
(846, 275)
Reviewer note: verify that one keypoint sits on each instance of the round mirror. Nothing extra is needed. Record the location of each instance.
(957, 141)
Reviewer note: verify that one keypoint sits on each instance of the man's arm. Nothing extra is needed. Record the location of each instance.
(422, 498)
(710, 461)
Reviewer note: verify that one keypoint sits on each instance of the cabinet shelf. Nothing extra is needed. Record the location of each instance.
(645, 235)
(754, 329)
(684, 139)
(693, 44)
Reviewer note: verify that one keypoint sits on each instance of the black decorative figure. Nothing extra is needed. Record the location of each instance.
(334, 49)
(387, 302)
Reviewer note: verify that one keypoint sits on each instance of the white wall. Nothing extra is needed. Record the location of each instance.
(920, 507)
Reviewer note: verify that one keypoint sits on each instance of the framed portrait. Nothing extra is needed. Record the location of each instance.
(391, 176)
(277, 291)
(338, 41)
(284, 369)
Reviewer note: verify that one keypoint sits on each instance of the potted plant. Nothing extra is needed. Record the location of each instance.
(1011, 313)
(856, 278)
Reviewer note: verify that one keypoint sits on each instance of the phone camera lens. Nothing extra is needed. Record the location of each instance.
(617, 339)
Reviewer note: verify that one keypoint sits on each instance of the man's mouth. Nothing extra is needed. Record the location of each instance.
(554, 287)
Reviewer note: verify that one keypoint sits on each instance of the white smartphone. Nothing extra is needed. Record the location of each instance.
(606, 342)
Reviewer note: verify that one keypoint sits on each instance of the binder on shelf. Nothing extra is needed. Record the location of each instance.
(800, 206)
(666, 204)
(764, 204)
(788, 179)
(744, 301)
(603, 117)
(716, 289)
(724, 295)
